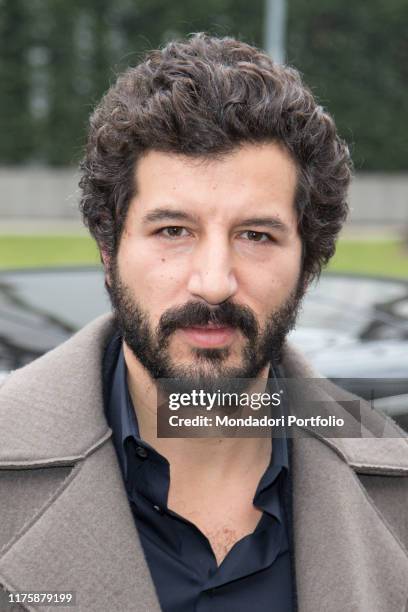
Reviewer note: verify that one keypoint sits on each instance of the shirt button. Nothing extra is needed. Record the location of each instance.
(141, 452)
(158, 509)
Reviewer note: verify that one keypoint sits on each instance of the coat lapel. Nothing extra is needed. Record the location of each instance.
(82, 537)
(85, 540)
(346, 557)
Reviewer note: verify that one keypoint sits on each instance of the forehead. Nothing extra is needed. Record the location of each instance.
(258, 178)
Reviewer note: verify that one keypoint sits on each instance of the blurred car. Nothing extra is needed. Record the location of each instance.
(353, 329)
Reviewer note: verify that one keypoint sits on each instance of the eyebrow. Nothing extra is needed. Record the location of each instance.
(271, 222)
(169, 214)
(163, 214)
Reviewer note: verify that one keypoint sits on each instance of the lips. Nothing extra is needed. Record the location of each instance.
(209, 336)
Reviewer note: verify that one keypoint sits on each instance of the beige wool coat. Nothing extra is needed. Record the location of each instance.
(66, 524)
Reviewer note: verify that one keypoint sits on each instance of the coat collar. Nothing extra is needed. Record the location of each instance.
(42, 405)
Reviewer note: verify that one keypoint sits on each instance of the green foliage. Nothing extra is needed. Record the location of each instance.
(15, 121)
(355, 57)
(57, 57)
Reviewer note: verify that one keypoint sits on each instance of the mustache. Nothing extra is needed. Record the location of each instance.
(194, 314)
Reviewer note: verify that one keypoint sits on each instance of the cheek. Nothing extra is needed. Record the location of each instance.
(275, 279)
(288, 265)
(154, 278)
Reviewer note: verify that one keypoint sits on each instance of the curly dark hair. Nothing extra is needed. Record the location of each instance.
(205, 96)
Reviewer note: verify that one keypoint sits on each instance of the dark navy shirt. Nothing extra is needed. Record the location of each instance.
(255, 575)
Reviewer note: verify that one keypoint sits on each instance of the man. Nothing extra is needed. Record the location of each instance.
(215, 188)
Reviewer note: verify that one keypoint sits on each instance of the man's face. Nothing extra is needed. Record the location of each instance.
(207, 278)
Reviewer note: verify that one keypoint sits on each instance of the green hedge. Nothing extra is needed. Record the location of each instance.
(58, 56)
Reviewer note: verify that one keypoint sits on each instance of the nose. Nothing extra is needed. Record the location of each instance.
(212, 277)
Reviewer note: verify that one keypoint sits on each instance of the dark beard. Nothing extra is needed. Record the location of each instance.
(150, 347)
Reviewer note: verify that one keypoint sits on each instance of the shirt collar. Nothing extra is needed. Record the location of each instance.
(123, 422)
(121, 416)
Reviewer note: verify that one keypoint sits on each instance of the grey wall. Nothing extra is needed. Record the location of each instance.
(38, 193)
(42, 193)
(379, 199)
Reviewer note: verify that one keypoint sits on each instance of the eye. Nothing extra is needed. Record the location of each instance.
(253, 236)
(173, 231)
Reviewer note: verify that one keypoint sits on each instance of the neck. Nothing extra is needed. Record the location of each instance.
(223, 457)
